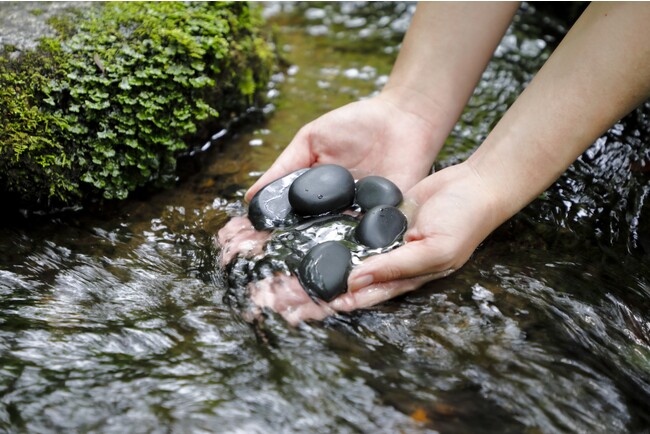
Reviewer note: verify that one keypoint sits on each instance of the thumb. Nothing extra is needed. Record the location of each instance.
(297, 155)
(413, 259)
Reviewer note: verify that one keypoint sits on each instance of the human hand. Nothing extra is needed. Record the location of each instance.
(453, 211)
(379, 136)
(450, 212)
(284, 295)
(282, 292)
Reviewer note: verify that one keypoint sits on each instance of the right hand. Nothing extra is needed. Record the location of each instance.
(370, 137)
(450, 213)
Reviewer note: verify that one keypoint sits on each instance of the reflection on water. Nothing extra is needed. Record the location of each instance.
(116, 322)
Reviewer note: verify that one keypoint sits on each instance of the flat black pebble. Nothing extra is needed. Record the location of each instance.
(373, 191)
(270, 207)
(324, 270)
(321, 190)
(381, 227)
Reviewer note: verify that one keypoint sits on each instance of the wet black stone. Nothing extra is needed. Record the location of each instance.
(374, 191)
(324, 270)
(321, 190)
(381, 227)
(270, 207)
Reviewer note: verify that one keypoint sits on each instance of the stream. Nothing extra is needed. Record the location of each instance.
(118, 319)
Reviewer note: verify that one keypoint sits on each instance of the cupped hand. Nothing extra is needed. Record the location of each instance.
(370, 137)
(452, 212)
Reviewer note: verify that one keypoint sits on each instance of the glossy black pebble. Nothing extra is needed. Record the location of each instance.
(381, 227)
(270, 207)
(373, 191)
(324, 271)
(321, 190)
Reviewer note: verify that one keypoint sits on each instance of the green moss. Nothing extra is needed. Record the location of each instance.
(37, 12)
(109, 104)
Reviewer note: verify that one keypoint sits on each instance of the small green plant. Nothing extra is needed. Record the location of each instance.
(108, 104)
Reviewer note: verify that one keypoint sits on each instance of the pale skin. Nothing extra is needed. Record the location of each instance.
(599, 73)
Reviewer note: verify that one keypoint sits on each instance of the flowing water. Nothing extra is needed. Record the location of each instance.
(118, 320)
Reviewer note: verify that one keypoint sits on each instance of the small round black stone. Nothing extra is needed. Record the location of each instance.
(321, 190)
(373, 191)
(270, 207)
(324, 270)
(381, 227)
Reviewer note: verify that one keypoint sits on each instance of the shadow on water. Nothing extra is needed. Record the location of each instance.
(115, 321)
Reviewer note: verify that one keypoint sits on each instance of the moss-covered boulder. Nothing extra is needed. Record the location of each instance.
(108, 103)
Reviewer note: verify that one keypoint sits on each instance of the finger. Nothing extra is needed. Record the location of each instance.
(376, 293)
(417, 258)
(297, 155)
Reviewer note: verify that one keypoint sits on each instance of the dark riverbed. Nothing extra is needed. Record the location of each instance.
(119, 321)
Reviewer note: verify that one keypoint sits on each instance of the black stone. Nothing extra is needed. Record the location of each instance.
(374, 191)
(381, 227)
(270, 206)
(321, 190)
(324, 270)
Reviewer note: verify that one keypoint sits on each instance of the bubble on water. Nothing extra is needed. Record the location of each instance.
(315, 14)
(293, 70)
(318, 30)
(351, 73)
(354, 23)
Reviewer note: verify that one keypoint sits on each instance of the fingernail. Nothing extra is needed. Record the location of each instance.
(358, 282)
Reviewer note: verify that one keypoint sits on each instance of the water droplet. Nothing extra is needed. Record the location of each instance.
(320, 196)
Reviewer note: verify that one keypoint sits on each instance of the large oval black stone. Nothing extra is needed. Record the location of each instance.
(324, 270)
(381, 227)
(321, 190)
(270, 207)
(373, 191)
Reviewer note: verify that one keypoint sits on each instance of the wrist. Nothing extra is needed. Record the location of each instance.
(416, 102)
(489, 201)
(432, 117)
(511, 172)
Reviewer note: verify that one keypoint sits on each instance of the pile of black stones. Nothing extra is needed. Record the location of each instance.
(305, 209)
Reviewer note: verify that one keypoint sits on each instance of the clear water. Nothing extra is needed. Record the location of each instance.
(118, 320)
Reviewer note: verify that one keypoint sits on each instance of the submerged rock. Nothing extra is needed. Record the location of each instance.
(321, 190)
(381, 227)
(270, 207)
(374, 191)
(324, 271)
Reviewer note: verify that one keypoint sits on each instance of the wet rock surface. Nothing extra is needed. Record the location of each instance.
(373, 191)
(270, 207)
(324, 271)
(22, 24)
(321, 190)
(381, 227)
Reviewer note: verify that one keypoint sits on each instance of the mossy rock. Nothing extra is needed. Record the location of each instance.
(108, 103)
